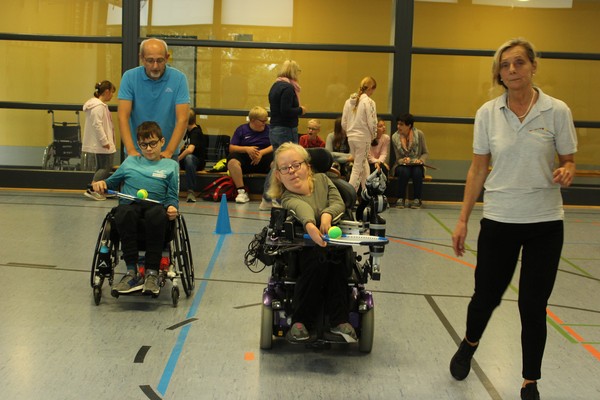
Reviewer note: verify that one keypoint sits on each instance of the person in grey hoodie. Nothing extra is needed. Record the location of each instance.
(99, 134)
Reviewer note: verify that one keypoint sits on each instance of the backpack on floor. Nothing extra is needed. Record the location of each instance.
(221, 186)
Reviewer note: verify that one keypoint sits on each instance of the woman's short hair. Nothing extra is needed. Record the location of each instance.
(529, 49)
(407, 119)
(257, 112)
(289, 69)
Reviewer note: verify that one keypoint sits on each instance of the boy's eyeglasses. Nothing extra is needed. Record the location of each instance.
(151, 144)
(290, 168)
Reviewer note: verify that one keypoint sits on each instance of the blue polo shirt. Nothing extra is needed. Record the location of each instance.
(154, 100)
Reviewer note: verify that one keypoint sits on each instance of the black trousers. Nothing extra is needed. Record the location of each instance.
(146, 221)
(322, 281)
(498, 249)
(406, 172)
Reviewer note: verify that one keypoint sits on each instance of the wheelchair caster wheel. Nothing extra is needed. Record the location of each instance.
(114, 293)
(97, 295)
(175, 295)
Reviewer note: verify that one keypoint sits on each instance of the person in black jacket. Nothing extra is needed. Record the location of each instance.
(284, 100)
(191, 157)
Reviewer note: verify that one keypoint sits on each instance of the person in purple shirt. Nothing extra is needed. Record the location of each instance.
(250, 151)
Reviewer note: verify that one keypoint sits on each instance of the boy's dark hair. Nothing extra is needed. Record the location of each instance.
(407, 119)
(148, 129)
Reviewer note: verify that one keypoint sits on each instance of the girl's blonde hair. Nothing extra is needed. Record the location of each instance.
(367, 82)
(276, 188)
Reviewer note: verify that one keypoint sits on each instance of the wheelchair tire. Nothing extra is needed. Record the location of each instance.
(175, 295)
(266, 328)
(367, 330)
(183, 255)
(104, 233)
(97, 295)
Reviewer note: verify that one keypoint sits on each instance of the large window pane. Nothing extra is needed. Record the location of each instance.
(305, 21)
(458, 85)
(241, 78)
(465, 25)
(49, 72)
(61, 17)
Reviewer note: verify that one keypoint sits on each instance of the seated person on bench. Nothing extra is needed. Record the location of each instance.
(160, 177)
(250, 151)
(316, 202)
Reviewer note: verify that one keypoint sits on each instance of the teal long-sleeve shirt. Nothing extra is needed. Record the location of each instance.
(325, 198)
(160, 178)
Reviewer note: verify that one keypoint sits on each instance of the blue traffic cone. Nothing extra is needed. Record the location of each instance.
(223, 225)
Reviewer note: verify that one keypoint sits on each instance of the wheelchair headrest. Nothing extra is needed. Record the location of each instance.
(320, 159)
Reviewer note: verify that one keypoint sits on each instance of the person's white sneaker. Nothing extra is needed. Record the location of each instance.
(94, 195)
(242, 196)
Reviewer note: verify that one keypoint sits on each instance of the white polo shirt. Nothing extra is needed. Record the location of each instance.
(519, 189)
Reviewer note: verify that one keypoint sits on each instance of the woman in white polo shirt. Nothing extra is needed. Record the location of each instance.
(518, 134)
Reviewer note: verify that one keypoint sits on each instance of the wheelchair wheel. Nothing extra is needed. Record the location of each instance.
(103, 264)
(175, 295)
(266, 328)
(183, 256)
(97, 294)
(367, 329)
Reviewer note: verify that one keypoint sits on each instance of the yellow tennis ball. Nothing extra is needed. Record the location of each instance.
(142, 194)
(334, 232)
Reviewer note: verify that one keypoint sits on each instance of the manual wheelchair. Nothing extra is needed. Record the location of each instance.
(278, 245)
(177, 252)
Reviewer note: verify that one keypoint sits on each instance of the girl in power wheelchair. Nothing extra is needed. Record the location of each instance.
(321, 295)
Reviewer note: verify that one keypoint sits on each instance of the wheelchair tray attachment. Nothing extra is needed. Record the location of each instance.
(356, 240)
(130, 197)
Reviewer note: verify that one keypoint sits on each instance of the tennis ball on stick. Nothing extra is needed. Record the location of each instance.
(142, 194)
(334, 232)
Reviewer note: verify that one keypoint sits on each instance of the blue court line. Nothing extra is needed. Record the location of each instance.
(176, 352)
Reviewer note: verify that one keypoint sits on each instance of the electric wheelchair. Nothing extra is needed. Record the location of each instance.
(177, 261)
(278, 245)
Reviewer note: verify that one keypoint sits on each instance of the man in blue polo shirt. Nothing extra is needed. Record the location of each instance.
(250, 151)
(156, 92)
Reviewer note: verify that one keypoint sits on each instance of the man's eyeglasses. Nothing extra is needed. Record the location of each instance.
(310, 128)
(264, 121)
(151, 144)
(290, 168)
(151, 61)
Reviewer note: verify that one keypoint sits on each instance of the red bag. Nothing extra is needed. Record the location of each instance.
(221, 186)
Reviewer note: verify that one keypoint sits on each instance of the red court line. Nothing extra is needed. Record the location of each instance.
(591, 349)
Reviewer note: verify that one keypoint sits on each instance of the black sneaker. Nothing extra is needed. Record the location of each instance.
(530, 392)
(460, 365)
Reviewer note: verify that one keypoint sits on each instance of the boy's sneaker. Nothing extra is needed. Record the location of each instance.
(530, 392)
(242, 196)
(460, 365)
(416, 203)
(151, 283)
(265, 205)
(191, 198)
(297, 333)
(94, 195)
(346, 331)
(129, 283)
(401, 204)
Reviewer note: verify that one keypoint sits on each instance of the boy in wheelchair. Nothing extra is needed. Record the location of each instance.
(316, 203)
(160, 178)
